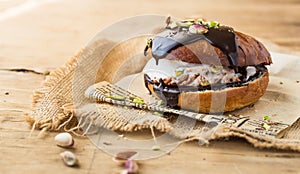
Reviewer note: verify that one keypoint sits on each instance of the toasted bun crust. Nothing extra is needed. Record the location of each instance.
(228, 99)
(250, 52)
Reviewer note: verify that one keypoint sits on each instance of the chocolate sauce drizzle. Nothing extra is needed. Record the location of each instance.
(222, 37)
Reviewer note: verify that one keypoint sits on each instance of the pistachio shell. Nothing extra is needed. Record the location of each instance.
(69, 158)
(168, 20)
(172, 25)
(197, 29)
(64, 139)
(131, 166)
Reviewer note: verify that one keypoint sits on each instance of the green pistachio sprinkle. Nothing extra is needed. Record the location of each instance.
(266, 126)
(205, 83)
(160, 102)
(216, 69)
(184, 23)
(135, 97)
(179, 73)
(190, 22)
(213, 24)
(149, 42)
(267, 118)
(138, 101)
(200, 21)
(46, 73)
(117, 97)
(157, 113)
(156, 147)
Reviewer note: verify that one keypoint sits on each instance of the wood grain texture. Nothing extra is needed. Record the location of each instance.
(44, 37)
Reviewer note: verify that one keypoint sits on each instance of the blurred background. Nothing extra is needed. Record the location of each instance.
(48, 32)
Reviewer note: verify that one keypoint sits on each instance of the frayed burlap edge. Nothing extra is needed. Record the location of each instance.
(227, 130)
(62, 119)
(53, 108)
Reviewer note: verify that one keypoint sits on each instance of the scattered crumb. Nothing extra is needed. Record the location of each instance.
(297, 81)
(204, 159)
(107, 143)
(46, 73)
(281, 83)
(156, 148)
(6, 93)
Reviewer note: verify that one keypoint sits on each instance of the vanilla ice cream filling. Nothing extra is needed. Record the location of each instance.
(178, 73)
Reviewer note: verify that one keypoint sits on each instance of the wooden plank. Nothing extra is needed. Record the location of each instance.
(45, 37)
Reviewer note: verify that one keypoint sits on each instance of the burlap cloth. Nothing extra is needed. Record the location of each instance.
(60, 105)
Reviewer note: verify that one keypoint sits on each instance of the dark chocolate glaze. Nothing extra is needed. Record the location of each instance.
(222, 37)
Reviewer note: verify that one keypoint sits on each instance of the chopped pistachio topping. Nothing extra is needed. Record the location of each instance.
(205, 83)
(178, 73)
(216, 69)
(156, 147)
(189, 20)
(46, 73)
(160, 102)
(157, 113)
(213, 24)
(267, 118)
(184, 23)
(200, 21)
(138, 101)
(266, 126)
(149, 43)
(193, 24)
(197, 29)
(135, 97)
(117, 97)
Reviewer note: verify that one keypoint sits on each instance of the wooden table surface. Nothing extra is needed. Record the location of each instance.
(42, 35)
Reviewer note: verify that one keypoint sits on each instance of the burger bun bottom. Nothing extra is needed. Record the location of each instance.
(218, 101)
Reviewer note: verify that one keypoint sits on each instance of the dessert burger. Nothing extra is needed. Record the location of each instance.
(206, 67)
